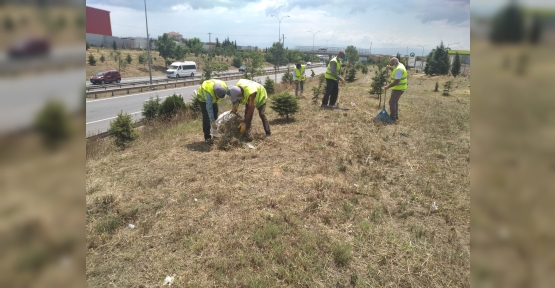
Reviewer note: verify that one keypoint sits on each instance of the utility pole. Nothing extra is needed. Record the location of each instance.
(370, 48)
(421, 59)
(148, 44)
(209, 39)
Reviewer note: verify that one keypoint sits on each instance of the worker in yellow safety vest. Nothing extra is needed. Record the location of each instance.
(332, 81)
(209, 94)
(398, 84)
(300, 77)
(252, 95)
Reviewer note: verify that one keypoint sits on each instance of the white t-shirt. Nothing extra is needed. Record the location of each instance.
(398, 74)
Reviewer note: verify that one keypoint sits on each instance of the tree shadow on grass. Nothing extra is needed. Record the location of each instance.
(200, 146)
(282, 121)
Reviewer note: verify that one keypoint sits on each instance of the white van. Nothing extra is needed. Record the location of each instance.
(182, 69)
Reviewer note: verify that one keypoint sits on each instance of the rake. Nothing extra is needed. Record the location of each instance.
(383, 116)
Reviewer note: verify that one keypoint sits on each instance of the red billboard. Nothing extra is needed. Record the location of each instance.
(98, 21)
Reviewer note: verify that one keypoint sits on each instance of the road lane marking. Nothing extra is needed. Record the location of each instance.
(117, 97)
(110, 118)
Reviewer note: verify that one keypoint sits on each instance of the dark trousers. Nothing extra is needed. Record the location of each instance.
(262, 114)
(332, 90)
(206, 119)
(394, 103)
(297, 83)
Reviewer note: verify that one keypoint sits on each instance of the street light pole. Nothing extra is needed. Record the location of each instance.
(279, 26)
(313, 33)
(421, 59)
(279, 41)
(148, 45)
(450, 48)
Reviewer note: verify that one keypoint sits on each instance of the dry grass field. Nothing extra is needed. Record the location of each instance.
(331, 200)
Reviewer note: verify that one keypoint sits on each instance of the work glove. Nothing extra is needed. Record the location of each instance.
(234, 109)
(242, 127)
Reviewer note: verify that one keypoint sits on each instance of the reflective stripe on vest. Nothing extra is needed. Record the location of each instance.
(403, 83)
(299, 73)
(250, 87)
(328, 71)
(208, 86)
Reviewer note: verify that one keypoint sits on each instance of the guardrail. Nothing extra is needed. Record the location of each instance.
(142, 85)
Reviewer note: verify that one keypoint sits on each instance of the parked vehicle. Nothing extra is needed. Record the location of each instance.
(242, 68)
(182, 69)
(308, 63)
(106, 76)
(323, 49)
(29, 47)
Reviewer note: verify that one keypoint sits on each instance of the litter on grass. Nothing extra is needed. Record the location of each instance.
(168, 281)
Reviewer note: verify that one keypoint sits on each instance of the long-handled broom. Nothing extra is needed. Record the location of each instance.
(383, 116)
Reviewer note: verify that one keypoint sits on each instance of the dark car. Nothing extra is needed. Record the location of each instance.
(29, 47)
(106, 76)
(242, 68)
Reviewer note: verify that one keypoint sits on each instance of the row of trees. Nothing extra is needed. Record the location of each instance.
(277, 54)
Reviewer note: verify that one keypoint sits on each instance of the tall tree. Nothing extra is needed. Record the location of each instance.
(253, 60)
(275, 54)
(438, 63)
(398, 57)
(352, 54)
(217, 42)
(456, 68)
(441, 60)
(166, 47)
(429, 60)
(181, 52)
(508, 25)
(536, 30)
(195, 46)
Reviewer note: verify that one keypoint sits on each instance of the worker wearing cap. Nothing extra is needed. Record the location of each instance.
(398, 85)
(332, 81)
(210, 93)
(300, 77)
(252, 95)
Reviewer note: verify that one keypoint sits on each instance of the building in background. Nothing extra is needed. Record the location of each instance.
(99, 32)
(175, 36)
(464, 55)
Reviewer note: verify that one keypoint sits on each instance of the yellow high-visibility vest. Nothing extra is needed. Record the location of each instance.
(328, 71)
(403, 84)
(299, 73)
(250, 87)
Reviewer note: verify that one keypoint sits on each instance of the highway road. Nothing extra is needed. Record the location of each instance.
(59, 56)
(101, 111)
(23, 97)
(147, 78)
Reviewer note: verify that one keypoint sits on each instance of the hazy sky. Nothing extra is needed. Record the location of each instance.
(390, 26)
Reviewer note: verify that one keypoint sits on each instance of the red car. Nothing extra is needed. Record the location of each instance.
(29, 47)
(106, 76)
